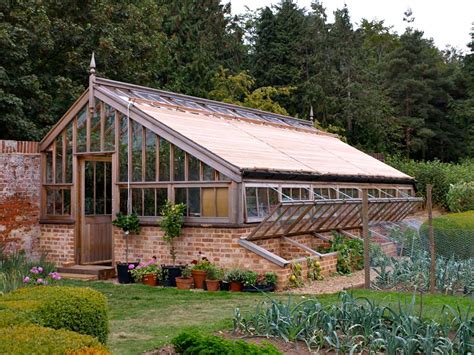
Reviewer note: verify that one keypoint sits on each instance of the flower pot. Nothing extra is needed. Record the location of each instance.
(171, 272)
(235, 286)
(123, 273)
(149, 279)
(225, 286)
(259, 288)
(183, 283)
(212, 285)
(199, 277)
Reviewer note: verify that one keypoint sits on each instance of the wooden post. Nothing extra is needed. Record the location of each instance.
(365, 235)
(429, 207)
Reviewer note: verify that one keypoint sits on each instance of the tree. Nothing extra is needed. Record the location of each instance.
(238, 89)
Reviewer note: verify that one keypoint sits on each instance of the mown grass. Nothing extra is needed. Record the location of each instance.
(463, 220)
(144, 318)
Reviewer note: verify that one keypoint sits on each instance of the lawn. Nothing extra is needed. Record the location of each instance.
(144, 318)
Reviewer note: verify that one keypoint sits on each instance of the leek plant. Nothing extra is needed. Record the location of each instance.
(359, 325)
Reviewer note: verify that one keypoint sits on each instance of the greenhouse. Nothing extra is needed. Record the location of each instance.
(251, 180)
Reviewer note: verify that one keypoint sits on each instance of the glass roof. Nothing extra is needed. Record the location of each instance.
(206, 105)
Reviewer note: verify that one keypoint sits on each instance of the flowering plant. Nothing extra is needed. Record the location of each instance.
(150, 267)
(38, 276)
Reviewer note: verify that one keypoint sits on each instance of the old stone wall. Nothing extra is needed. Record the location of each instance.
(19, 196)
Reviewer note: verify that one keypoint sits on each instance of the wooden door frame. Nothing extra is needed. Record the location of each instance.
(80, 194)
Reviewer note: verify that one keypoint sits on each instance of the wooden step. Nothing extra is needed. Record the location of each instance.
(81, 277)
(100, 271)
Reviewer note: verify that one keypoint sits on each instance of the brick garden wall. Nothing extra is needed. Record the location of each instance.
(57, 241)
(19, 196)
(219, 245)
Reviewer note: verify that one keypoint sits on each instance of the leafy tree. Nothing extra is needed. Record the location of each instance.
(238, 89)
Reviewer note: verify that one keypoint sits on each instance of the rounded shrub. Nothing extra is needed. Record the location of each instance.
(453, 235)
(10, 317)
(33, 339)
(461, 197)
(78, 309)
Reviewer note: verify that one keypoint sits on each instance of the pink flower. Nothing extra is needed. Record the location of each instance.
(131, 266)
(40, 269)
(34, 270)
(40, 281)
(55, 276)
(26, 279)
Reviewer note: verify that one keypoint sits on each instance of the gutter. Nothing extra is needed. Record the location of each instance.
(277, 175)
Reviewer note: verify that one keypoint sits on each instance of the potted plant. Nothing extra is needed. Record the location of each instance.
(199, 272)
(130, 224)
(214, 276)
(171, 224)
(148, 273)
(185, 281)
(249, 280)
(235, 278)
(254, 282)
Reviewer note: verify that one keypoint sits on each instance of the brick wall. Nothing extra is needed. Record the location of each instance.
(57, 241)
(19, 195)
(219, 245)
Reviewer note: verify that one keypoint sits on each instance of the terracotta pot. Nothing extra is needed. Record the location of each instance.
(199, 277)
(149, 280)
(235, 286)
(184, 283)
(212, 285)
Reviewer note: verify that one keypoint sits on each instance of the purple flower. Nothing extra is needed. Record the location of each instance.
(131, 266)
(34, 270)
(40, 269)
(26, 279)
(55, 276)
(40, 281)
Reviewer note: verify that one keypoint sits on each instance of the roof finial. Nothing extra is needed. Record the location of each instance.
(311, 116)
(92, 65)
(91, 85)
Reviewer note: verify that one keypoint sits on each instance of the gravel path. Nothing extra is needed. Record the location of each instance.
(336, 283)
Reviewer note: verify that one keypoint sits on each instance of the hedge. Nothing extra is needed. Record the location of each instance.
(440, 175)
(453, 234)
(460, 197)
(34, 339)
(78, 309)
(189, 342)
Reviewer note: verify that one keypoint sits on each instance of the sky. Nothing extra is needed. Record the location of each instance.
(448, 23)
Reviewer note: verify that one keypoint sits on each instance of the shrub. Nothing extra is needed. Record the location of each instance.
(33, 339)
(440, 175)
(194, 343)
(81, 310)
(453, 235)
(171, 224)
(10, 317)
(460, 197)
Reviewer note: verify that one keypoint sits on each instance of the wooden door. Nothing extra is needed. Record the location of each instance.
(96, 226)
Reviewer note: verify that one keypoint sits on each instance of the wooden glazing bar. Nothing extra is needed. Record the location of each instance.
(102, 126)
(339, 219)
(64, 157)
(143, 153)
(336, 209)
(317, 208)
(325, 208)
(297, 220)
(284, 210)
(53, 172)
(348, 216)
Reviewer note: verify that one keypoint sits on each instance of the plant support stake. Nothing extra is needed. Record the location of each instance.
(365, 235)
(429, 207)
